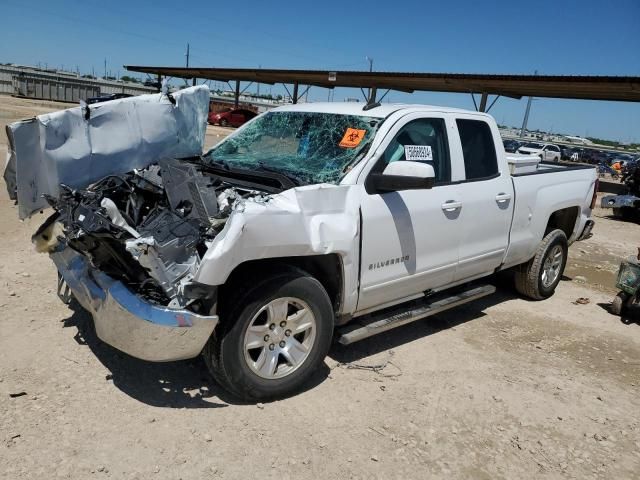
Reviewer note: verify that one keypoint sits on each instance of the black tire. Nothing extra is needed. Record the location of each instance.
(225, 353)
(529, 276)
(618, 303)
(224, 122)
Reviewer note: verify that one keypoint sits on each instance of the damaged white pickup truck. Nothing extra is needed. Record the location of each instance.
(311, 220)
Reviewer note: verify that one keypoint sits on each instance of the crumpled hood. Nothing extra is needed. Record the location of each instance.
(81, 145)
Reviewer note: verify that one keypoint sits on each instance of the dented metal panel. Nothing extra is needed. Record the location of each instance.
(129, 323)
(81, 145)
(310, 220)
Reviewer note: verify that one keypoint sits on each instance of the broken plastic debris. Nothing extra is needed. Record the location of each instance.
(581, 301)
(116, 217)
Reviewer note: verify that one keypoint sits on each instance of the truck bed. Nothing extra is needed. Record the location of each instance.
(553, 167)
(551, 187)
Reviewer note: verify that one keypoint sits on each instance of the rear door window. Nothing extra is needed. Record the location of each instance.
(478, 149)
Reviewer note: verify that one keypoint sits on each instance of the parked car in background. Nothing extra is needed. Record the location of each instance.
(603, 157)
(106, 98)
(627, 204)
(232, 117)
(566, 153)
(511, 146)
(623, 158)
(589, 156)
(546, 151)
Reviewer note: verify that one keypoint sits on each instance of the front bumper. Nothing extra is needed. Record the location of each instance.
(128, 323)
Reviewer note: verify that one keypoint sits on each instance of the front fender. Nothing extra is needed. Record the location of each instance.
(313, 220)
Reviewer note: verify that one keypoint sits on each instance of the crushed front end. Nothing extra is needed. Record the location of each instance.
(128, 247)
(134, 212)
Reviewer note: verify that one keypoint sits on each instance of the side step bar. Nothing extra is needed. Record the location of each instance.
(392, 317)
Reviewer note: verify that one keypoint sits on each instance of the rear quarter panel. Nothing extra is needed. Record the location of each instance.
(537, 196)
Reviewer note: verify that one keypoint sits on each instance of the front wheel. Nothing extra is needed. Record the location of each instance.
(224, 122)
(273, 338)
(539, 277)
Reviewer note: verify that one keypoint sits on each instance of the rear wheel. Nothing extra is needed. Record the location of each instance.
(275, 336)
(539, 277)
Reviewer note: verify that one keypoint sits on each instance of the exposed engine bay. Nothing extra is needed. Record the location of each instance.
(148, 228)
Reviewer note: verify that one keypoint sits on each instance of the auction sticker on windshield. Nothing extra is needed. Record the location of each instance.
(418, 152)
(352, 138)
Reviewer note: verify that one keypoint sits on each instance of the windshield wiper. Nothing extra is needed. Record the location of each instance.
(292, 179)
(219, 162)
(287, 180)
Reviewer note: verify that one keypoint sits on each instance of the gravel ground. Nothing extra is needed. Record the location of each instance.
(502, 388)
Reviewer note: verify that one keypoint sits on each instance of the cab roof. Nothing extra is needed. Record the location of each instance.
(355, 108)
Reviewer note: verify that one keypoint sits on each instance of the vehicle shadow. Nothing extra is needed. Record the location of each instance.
(181, 384)
(628, 316)
(187, 384)
(420, 328)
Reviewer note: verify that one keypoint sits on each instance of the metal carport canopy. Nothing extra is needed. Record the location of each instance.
(616, 88)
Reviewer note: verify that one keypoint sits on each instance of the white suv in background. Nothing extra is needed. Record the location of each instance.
(546, 151)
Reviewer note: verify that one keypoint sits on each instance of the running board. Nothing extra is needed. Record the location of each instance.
(392, 317)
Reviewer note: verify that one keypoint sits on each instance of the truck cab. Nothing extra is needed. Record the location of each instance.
(468, 184)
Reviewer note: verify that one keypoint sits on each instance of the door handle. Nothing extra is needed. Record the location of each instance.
(451, 206)
(503, 197)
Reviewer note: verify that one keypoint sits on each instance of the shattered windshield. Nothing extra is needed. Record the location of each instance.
(308, 147)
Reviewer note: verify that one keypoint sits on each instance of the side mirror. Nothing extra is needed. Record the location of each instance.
(403, 175)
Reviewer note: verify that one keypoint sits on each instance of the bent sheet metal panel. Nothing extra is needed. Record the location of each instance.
(309, 220)
(128, 323)
(120, 135)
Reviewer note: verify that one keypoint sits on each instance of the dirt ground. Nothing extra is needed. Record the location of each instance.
(502, 388)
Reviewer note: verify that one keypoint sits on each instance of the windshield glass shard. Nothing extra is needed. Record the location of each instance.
(306, 147)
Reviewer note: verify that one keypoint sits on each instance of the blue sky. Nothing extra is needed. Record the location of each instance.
(553, 37)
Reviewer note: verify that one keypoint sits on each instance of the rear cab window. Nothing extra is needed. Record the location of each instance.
(478, 149)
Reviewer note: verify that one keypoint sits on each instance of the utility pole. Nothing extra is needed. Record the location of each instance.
(193, 80)
(370, 60)
(526, 114)
(526, 118)
(105, 68)
(258, 85)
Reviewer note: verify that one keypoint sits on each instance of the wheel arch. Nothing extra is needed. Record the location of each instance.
(326, 268)
(564, 219)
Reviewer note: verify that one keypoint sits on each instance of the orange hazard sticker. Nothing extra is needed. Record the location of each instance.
(352, 138)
